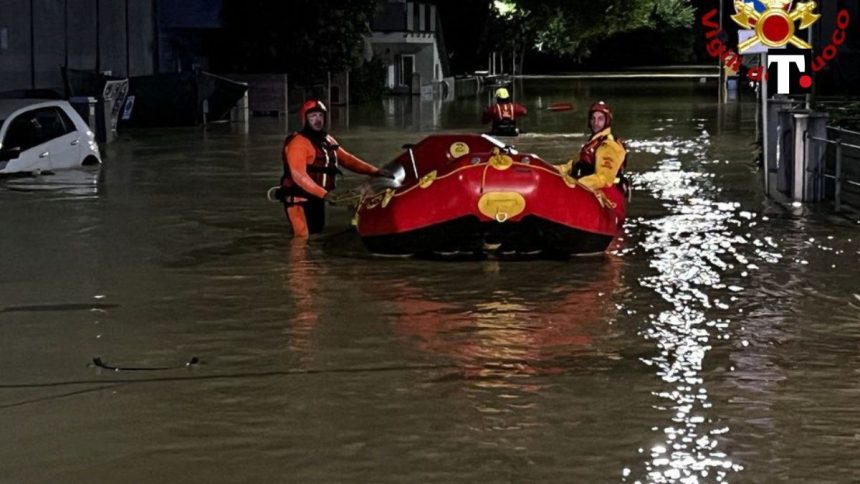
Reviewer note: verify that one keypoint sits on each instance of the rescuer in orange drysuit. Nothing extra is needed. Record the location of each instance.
(311, 159)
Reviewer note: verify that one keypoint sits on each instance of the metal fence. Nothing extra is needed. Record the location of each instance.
(839, 175)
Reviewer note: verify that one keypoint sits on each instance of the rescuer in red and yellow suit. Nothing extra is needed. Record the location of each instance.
(504, 114)
(602, 158)
(311, 159)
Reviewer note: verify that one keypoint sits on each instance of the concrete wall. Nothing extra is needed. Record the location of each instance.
(83, 34)
(425, 64)
(190, 14)
(15, 62)
(49, 49)
(141, 32)
(112, 37)
(183, 25)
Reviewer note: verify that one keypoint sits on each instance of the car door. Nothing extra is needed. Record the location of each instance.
(60, 136)
(22, 136)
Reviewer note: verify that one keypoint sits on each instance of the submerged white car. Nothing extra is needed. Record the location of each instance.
(43, 135)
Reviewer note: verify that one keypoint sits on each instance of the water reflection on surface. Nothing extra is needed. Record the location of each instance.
(718, 340)
(689, 249)
(79, 183)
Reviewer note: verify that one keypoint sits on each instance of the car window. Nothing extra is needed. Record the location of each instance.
(38, 126)
(21, 132)
(67, 121)
(49, 125)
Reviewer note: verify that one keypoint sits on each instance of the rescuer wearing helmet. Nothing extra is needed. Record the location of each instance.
(602, 157)
(311, 159)
(504, 114)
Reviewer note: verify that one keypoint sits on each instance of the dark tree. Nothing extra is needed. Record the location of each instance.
(567, 33)
(573, 27)
(464, 24)
(304, 38)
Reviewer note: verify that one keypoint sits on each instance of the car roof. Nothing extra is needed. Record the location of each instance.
(9, 106)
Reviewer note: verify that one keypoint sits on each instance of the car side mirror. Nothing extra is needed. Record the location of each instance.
(7, 154)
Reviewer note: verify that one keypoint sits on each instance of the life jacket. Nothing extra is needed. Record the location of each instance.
(504, 112)
(585, 165)
(322, 169)
(504, 121)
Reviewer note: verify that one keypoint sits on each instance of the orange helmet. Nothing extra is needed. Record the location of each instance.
(311, 106)
(601, 107)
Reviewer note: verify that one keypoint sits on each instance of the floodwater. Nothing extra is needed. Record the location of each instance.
(718, 341)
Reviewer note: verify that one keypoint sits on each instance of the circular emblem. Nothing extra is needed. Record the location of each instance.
(459, 149)
(774, 28)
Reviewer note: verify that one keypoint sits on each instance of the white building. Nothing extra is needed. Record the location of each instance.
(407, 37)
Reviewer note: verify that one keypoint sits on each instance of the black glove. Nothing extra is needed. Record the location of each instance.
(384, 173)
(333, 197)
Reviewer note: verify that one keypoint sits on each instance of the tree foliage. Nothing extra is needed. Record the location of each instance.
(513, 30)
(465, 24)
(301, 37)
(570, 28)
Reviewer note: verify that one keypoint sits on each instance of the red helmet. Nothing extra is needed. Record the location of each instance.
(310, 106)
(601, 107)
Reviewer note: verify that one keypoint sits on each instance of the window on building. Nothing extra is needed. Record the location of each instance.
(410, 9)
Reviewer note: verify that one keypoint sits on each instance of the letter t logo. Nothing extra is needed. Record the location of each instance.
(788, 80)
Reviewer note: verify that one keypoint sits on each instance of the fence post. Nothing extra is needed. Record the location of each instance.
(822, 168)
(287, 102)
(328, 101)
(837, 189)
(347, 99)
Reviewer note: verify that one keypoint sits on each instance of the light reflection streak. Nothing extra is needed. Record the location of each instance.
(690, 249)
(79, 184)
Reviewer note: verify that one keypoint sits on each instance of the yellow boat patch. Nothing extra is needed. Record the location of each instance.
(501, 206)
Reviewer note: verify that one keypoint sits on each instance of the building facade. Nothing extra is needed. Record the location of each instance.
(407, 37)
(142, 37)
(39, 37)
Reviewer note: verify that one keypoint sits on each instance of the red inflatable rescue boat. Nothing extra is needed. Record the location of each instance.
(471, 193)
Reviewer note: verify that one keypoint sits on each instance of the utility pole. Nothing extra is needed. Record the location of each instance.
(762, 89)
(32, 48)
(810, 96)
(721, 92)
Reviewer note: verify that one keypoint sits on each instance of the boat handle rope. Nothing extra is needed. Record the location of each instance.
(602, 199)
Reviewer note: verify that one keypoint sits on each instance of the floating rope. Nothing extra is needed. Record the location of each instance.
(372, 200)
